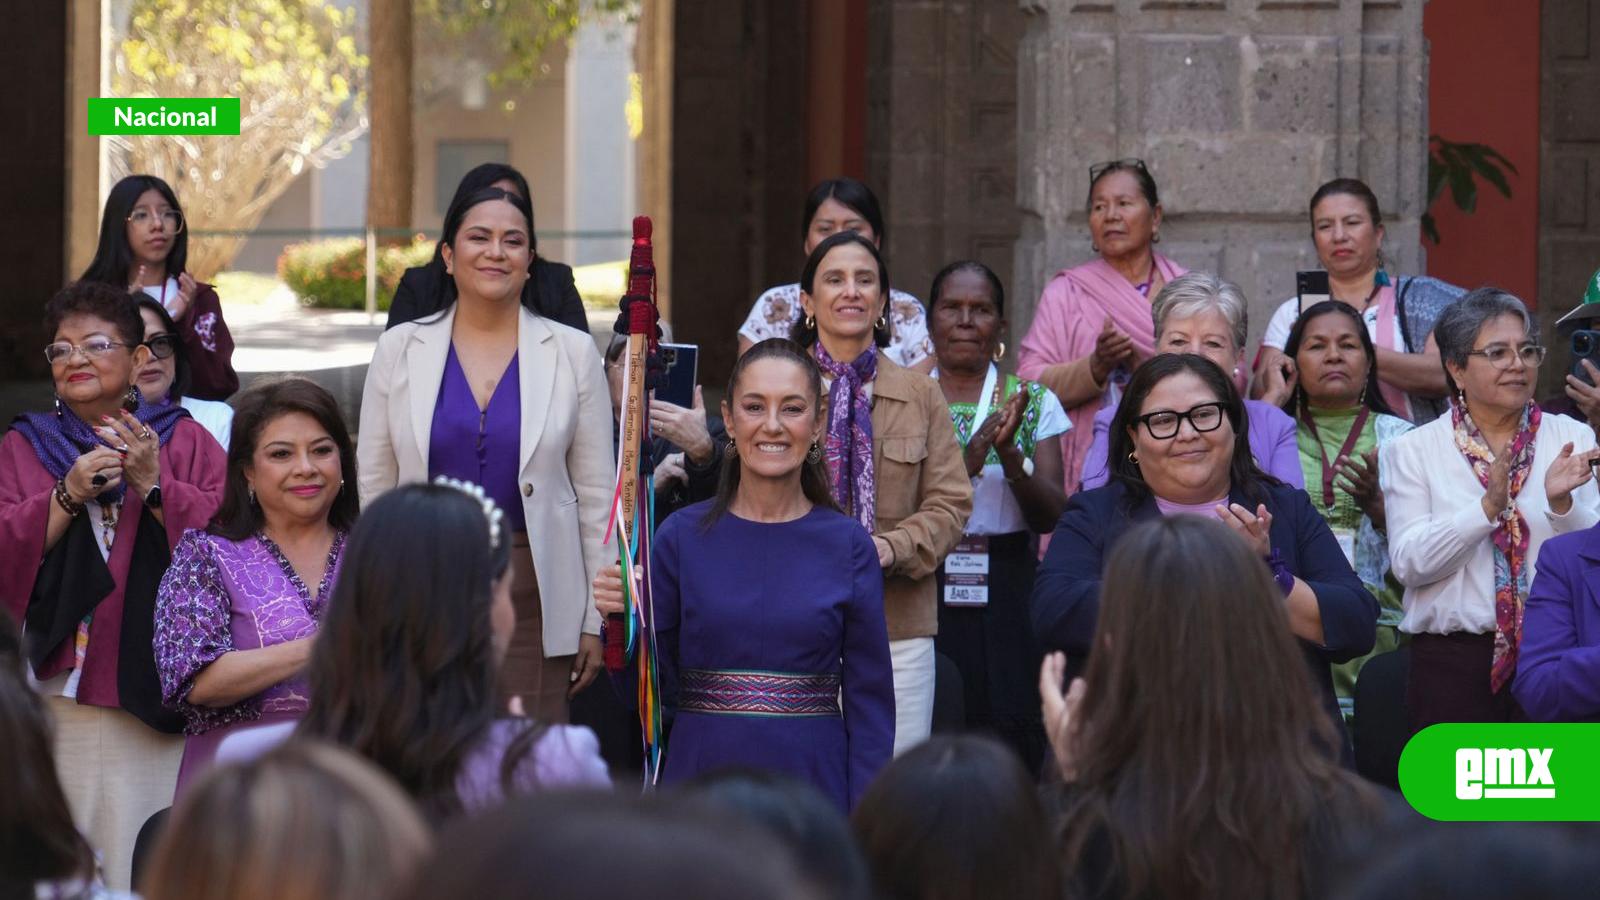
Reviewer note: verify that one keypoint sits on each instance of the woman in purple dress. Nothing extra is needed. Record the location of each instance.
(768, 603)
(236, 612)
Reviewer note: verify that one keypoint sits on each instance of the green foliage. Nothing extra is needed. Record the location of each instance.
(518, 32)
(332, 274)
(1458, 166)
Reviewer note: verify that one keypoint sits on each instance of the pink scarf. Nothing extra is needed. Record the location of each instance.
(1071, 312)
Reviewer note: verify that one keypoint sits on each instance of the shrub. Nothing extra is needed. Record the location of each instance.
(331, 274)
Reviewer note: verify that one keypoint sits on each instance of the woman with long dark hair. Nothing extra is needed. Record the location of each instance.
(405, 667)
(486, 391)
(768, 604)
(237, 611)
(1179, 446)
(549, 290)
(168, 377)
(1196, 764)
(1342, 424)
(144, 246)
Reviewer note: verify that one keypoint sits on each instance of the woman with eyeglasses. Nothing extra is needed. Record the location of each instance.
(1399, 312)
(1470, 498)
(93, 496)
(167, 377)
(144, 246)
(1179, 447)
(1093, 326)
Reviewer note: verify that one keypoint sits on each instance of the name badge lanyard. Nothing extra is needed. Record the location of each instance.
(1344, 451)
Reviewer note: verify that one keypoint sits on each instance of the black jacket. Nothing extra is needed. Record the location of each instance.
(549, 292)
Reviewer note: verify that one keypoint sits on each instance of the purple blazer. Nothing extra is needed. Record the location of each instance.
(1558, 666)
(1272, 443)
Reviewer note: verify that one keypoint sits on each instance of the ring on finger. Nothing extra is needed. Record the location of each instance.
(144, 434)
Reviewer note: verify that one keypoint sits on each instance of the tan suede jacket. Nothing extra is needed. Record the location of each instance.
(923, 494)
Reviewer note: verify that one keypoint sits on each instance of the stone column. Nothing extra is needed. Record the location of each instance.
(1240, 108)
(1569, 191)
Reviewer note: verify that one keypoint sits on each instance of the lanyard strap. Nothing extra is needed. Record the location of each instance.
(988, 397)
(1349, 444)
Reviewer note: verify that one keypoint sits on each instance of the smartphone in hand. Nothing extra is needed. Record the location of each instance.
(682, 362)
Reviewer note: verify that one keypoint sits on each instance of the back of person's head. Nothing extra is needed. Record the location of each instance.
(1201, 755)
(817, 836)
(404, 667)
(1479, 861)
(38, 841)
(307, 821)
(956, 817)
(583, 846)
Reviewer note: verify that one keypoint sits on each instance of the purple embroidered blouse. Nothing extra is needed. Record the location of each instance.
(480, 446)
(221, 595)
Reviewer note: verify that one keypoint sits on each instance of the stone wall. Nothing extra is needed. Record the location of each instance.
(942, 133)
(1569, 186)
(1239, 107)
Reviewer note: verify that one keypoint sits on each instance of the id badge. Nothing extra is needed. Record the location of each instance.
(1347, 543)
(966, 572)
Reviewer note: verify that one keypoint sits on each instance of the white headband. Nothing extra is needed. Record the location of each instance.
(492, 512)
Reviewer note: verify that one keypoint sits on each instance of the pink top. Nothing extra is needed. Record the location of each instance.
(1071, 312)
(1207, 510)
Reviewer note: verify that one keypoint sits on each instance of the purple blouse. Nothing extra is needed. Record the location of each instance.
(221, 595)
(564, 756)
(480, 446)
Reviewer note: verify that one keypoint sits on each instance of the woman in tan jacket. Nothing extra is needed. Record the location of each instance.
(892, 456)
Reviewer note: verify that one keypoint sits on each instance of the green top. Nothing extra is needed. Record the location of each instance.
(1333, 427)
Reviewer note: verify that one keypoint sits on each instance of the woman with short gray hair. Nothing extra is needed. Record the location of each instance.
(1199, 312)
(1470, 499)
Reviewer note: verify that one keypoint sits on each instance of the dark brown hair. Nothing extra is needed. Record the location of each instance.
(805, 335)
(1297, 404)
(1202, 758)
(1353, 187)
(103, 301)
(238, 517)
(38, 840)
(956, 818)
(1243, 473)
(813, 475)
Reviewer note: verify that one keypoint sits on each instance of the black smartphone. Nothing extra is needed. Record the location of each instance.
(1585, 345)
(682, 363)
(1312, 287)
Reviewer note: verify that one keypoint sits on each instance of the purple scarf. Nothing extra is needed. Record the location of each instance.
(849, 443)
(59, 438)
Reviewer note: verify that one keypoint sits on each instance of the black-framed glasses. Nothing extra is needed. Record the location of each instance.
(1500, 355)
(1100, 168)
(143, 218)
(1163, 424)
(162, 345)
(93, 348)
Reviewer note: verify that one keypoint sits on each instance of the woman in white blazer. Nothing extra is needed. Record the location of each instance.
(1470, 497)
(487, 392)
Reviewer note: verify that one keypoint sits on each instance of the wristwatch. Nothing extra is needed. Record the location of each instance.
(1027, 470)
(152, 497)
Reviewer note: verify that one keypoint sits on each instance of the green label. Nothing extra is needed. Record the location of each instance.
(1504, 772)
(154, 115)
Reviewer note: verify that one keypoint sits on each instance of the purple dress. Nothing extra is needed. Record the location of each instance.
(480, 446)
(221, 595)
(774, 651)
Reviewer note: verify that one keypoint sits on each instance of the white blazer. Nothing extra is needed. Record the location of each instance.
(568, 470)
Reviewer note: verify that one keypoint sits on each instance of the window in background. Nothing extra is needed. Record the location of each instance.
(455, 159)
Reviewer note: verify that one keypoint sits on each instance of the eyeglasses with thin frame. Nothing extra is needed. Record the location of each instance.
(162, 346)
(1100, 168)
(1500, 355)
(93, 348)
(1163, 424)
(143, 218)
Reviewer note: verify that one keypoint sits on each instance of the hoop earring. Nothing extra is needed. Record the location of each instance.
(811, 322)
(882, 323)
(999, 352)
(1093, 246)
(1132, 458)
(733, 449)
(814, 456)
(1155, 238)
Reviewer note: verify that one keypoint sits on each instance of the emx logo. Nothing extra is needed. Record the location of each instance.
(1510, 773)
(1504, 772)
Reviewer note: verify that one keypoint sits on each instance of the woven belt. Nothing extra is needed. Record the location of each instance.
(747, 692)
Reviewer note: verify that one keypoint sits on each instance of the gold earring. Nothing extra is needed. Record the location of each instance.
(882, 323)
(1000, 352)
(811, 322)
(1132, 458)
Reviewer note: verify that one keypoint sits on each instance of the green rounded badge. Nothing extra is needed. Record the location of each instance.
(1504, 772)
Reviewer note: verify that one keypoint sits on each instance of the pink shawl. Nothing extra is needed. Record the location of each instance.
(1071, 312)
